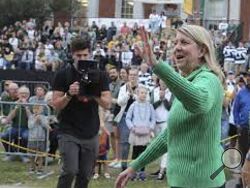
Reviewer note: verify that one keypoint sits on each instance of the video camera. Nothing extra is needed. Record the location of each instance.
(90, 78)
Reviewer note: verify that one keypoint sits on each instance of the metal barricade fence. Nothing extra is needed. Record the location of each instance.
(30, 84)
(17, 123)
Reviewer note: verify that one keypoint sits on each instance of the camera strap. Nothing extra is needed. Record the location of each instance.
(69, 74)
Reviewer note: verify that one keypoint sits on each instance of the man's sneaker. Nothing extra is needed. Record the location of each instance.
(160, 176)
(142, 176)
(155, 173)
(96, 176)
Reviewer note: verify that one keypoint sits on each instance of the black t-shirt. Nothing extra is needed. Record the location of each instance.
(79, 118)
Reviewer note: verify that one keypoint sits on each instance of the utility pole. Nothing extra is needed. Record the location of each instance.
(71, 13)
(228, 10)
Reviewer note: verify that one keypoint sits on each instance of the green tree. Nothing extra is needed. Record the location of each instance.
(17, 10)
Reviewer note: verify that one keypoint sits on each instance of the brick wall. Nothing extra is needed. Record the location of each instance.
(245, 19)
(106, 8)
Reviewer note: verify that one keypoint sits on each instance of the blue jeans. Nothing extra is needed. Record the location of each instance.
(224, 128)
(124, 144)
(18, 135)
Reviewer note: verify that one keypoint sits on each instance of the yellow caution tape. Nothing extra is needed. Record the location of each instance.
(229, 138)
(44, 154)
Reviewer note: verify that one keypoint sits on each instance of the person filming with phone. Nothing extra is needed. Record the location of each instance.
(78, 90)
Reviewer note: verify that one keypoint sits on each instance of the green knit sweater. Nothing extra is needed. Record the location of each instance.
(192, 138)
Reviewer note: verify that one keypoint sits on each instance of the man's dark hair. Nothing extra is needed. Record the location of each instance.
(80, 43)
(114, 67)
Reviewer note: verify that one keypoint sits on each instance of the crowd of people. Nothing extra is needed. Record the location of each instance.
(141, 100)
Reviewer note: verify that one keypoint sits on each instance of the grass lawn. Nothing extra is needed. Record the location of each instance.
(12, 173)
(16, 173)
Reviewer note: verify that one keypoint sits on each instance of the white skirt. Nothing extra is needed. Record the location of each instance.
(136, 140)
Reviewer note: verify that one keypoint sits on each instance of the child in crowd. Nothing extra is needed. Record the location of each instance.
(38, 126)
(104, 134)
(140, 120)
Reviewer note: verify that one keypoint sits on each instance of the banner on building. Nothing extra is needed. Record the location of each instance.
(188, 6)
(119, 22)
(161, 1)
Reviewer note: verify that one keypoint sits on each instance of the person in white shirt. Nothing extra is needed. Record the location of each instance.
(99, 51)
(126, 56)
(154, 20)
(13, 41)
(162, 22)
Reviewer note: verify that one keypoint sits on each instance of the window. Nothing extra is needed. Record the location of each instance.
(127, 8)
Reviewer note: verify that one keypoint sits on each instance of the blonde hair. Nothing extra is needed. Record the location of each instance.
(24, 89)
(38, 107)
(203, 39)
(140, 88)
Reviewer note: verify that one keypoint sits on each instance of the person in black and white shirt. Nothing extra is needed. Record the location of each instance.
(240, 58)
(145, 78)
(229, 54)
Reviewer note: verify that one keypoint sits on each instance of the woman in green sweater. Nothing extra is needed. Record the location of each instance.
(192, 139)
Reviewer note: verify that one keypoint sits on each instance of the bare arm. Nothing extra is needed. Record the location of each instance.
(102, 120)
(60, 100)
(105, 100)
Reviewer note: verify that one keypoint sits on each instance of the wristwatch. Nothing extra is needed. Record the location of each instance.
(68, 95)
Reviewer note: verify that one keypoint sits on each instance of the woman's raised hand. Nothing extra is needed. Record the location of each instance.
(146, 51)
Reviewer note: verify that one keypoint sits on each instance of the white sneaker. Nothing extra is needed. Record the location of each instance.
(118, 165)
(114, 162)
(107, 175)
(96, 176)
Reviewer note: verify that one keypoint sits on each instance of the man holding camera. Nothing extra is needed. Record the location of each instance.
(78, 117)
